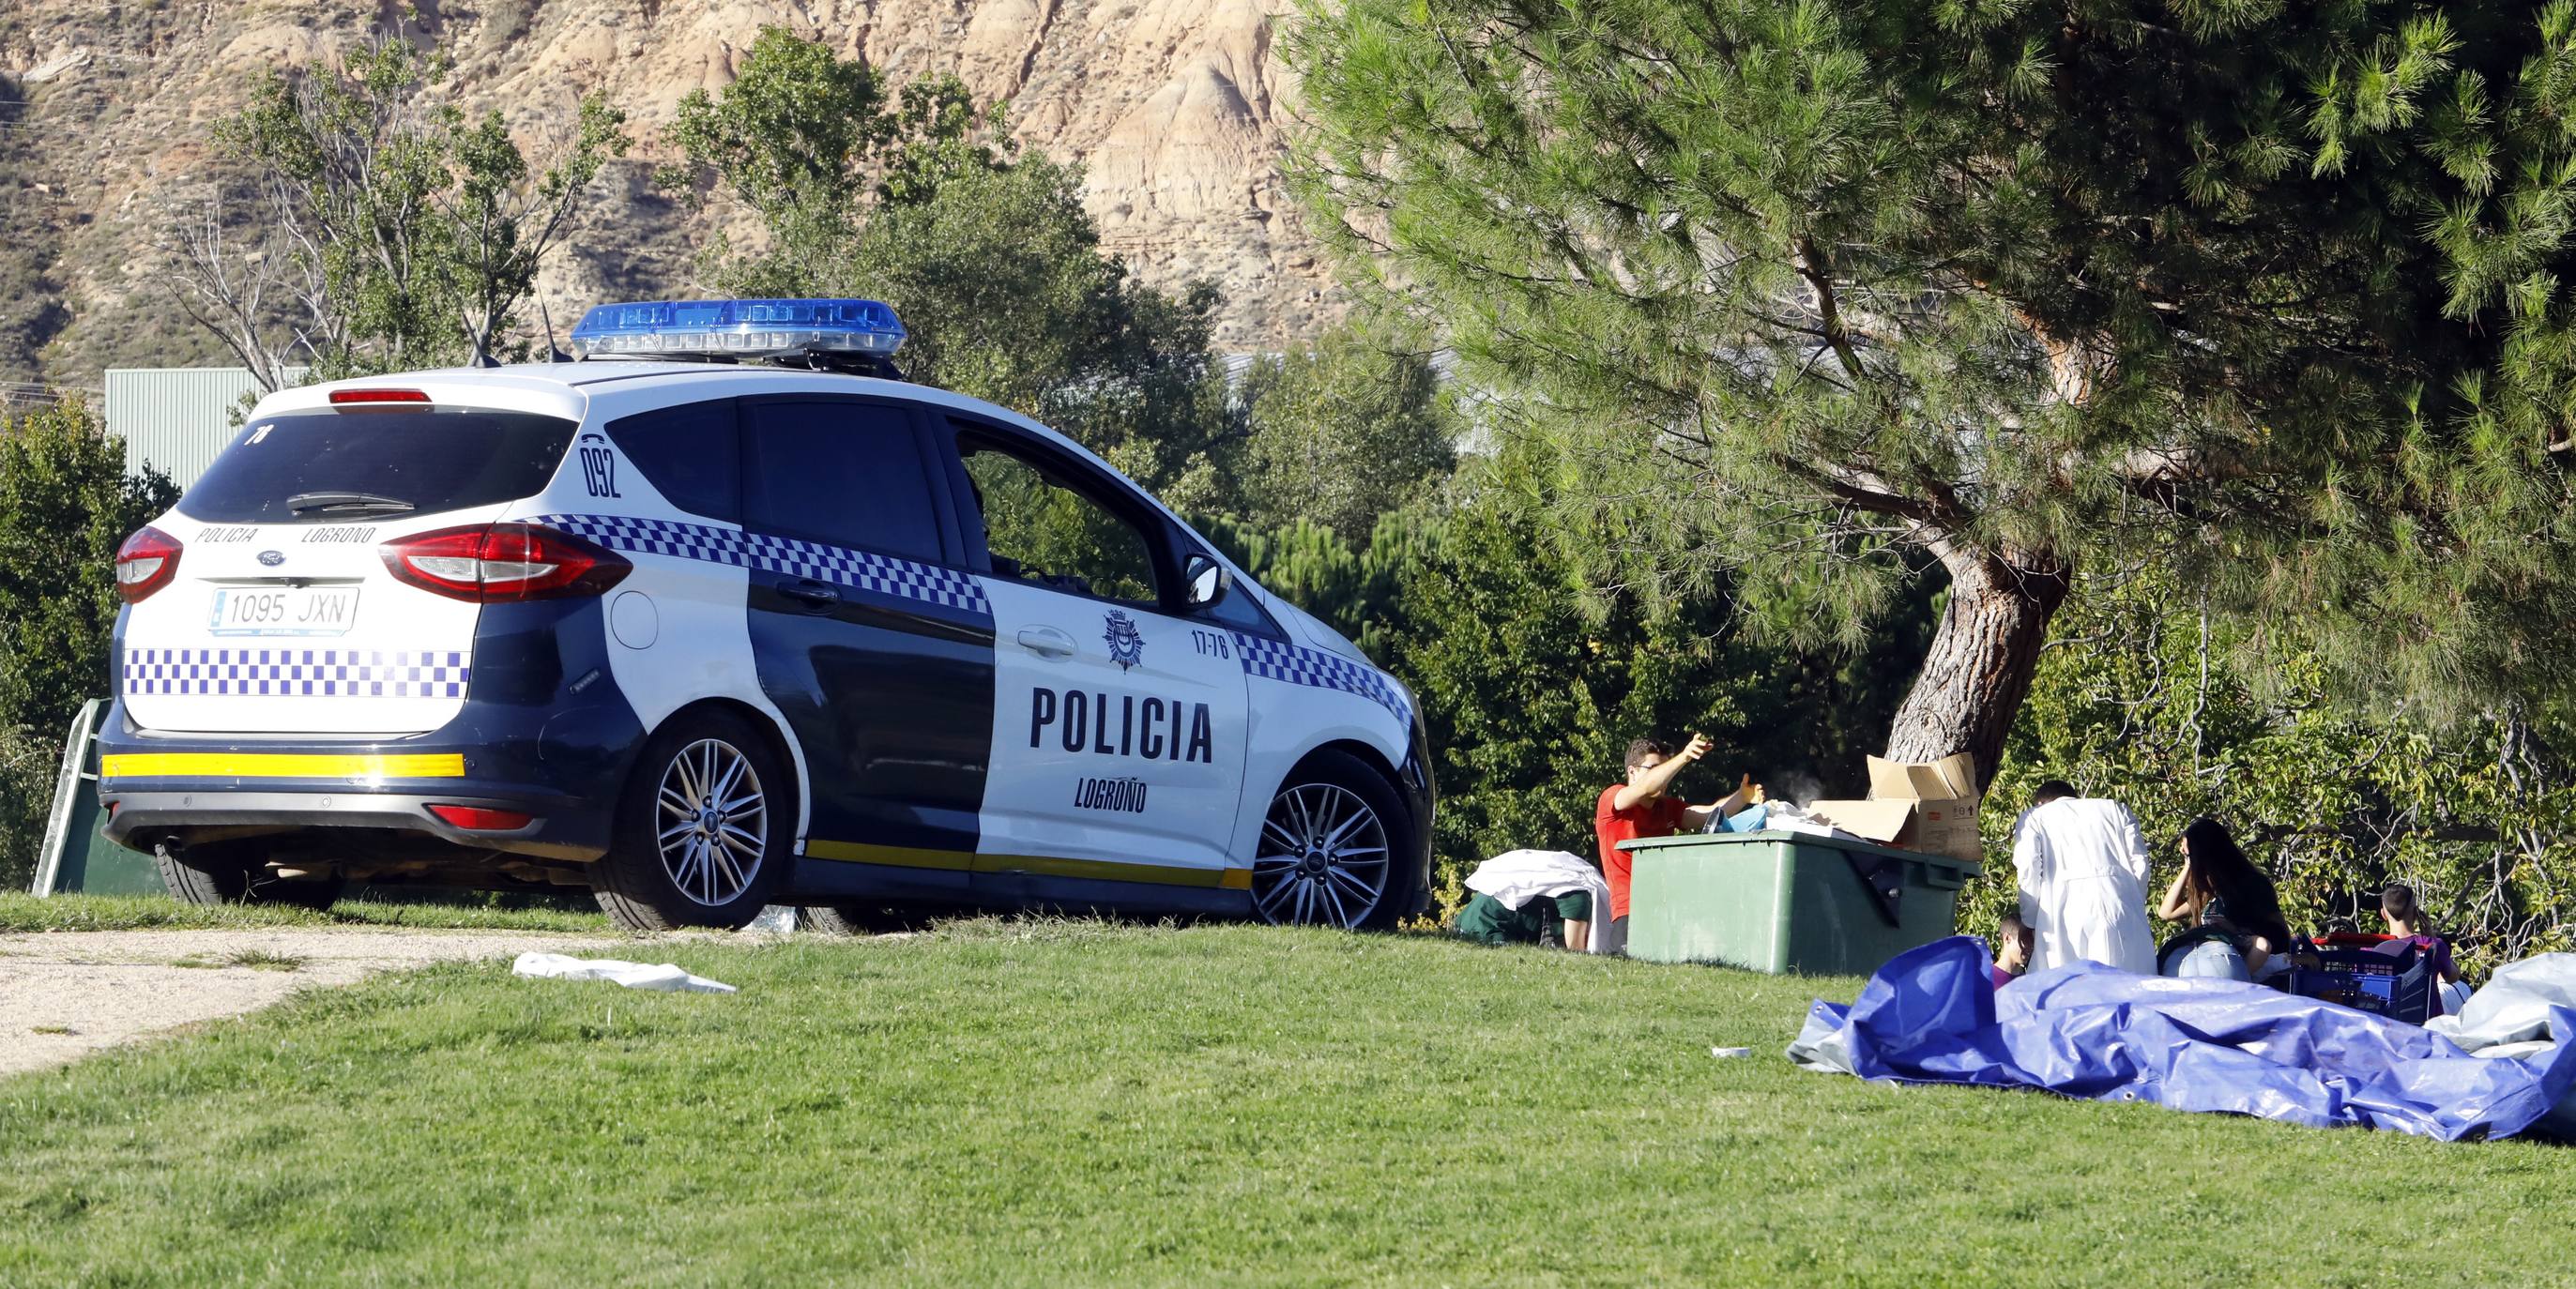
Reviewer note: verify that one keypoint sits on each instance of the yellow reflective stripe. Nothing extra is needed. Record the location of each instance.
(899, 856)
(281, 765)
(1229, 879)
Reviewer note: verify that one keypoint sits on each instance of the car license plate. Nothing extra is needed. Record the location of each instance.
(283, 611)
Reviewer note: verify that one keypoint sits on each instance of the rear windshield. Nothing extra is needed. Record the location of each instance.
(326, 466)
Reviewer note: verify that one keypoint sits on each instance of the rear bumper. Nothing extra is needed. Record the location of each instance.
(559, 830)
(543, 731)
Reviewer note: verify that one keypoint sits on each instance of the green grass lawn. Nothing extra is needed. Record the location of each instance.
(1074, 1103)
(22, 912)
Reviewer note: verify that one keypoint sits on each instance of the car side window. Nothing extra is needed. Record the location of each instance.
(1044, 531)
(840, 473)
(689, 454)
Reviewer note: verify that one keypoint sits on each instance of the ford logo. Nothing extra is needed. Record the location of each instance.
(272, 558)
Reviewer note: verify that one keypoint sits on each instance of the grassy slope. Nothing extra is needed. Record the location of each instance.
(22, 912)
(1065, 1102)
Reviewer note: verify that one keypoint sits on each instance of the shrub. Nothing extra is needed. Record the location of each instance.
(66, 504)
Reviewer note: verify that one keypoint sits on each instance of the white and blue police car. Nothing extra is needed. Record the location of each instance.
(726, 614)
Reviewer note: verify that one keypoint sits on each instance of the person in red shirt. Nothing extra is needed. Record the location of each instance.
(1645, 807)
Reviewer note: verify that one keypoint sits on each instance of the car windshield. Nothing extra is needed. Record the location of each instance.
(325, 466)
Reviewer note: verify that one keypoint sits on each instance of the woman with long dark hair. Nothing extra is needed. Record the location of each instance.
(2220, 891)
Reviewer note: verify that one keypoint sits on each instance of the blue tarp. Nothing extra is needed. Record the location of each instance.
(1932, 1015)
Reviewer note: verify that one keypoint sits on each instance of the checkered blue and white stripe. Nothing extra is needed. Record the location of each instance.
(866, 570)
(298, 673)
(1299, 665)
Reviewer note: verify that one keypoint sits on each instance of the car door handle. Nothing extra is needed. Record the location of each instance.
(816, 595)
(1046, 642)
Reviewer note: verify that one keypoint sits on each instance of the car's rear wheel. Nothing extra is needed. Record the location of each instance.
(701, 836)
(1332, 849)
(236, 873)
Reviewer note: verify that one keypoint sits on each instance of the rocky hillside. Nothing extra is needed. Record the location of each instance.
(1174, 106)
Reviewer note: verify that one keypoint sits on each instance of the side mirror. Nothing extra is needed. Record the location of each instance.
(1208, 580)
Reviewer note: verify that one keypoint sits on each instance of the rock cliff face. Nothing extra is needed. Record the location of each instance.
(1174, 107)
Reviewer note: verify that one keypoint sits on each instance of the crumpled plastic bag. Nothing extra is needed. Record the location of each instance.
(662, 977)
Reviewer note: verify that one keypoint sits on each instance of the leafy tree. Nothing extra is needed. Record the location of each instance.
(1343, 431)
(364, 149)
(919, 199)
(503, 219)
(790, 139)
(1819, 291)
(1530, 694)
(1356, 589)
(2139, 699)
(66, 504)
(395, 232)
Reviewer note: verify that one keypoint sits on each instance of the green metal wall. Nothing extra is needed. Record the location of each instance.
(176, 418)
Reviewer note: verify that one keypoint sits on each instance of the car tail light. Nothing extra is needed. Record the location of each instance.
(481, 820)
(486, 563)
(361, 397)
(148, 561)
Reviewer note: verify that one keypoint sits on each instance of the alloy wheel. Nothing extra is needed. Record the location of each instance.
(1323, 859)
(713, 822)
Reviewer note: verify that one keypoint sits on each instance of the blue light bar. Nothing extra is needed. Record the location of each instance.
(742, 328)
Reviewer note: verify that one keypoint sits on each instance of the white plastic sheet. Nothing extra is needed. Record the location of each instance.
(661, 977)
(2509, 1017)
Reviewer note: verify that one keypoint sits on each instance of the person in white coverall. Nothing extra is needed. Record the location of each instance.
(2083, 868)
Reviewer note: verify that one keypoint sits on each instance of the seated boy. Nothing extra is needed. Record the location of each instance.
(1562, 920)
(2012, 949)
(2405, 920)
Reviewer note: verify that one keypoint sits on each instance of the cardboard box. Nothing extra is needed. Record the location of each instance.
(1931, 808)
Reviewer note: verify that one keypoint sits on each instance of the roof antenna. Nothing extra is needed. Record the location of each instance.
(554, 352)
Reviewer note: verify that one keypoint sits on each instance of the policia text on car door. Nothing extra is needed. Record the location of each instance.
(1116, 737)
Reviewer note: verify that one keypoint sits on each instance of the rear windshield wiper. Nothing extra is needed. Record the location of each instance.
(308, 502)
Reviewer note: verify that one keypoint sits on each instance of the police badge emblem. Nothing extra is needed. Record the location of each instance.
(1126, 643)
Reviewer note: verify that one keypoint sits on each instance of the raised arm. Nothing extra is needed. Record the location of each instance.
(1651, 783)
(2177, 905)
(1746, 793)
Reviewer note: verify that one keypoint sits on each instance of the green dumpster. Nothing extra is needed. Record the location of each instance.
(1782, 902)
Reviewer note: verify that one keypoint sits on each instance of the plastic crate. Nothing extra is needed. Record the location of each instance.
(2367, 973)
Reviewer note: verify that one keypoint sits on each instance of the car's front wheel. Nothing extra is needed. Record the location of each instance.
(701, 836)
(866, 918)
(1332, 849)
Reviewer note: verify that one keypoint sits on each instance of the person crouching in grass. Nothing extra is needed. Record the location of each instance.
(1564, 921)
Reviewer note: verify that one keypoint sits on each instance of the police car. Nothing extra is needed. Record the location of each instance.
(727, 615)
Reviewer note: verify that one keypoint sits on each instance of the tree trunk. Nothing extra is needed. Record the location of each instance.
(1983, 656)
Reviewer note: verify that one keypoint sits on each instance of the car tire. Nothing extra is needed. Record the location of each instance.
(203, 875)
(234, 873)
(1334, 850)
(863, 919)
(707, 798)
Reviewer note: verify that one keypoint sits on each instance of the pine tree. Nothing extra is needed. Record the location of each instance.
(1819, 291)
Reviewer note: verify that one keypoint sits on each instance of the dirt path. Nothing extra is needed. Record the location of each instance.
(65, 994)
